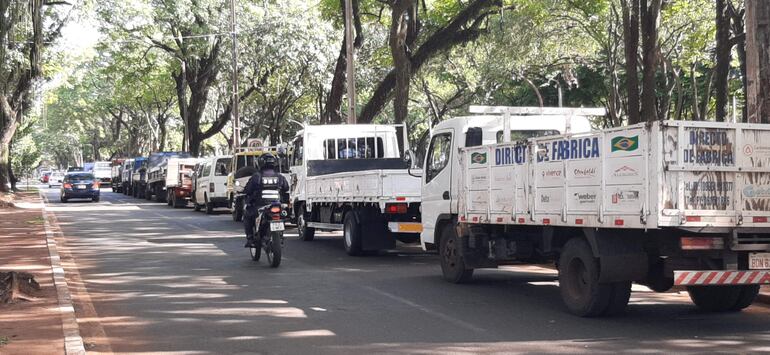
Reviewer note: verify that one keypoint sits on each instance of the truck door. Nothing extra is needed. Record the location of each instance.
(437, 182)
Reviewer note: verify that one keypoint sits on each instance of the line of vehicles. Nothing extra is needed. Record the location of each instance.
(665, 204)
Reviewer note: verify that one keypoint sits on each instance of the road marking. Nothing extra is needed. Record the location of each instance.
(73, 342)
(452, 320)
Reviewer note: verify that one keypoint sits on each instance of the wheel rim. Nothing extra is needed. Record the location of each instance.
(578, 278)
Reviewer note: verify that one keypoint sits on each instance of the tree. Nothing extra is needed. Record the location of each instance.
(758, 60)
(631, 41)
(21, 44)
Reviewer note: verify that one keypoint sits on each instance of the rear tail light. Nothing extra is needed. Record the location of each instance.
(396, 208)
(692, 218)
(211, 187)
(759, 219)
(275, 209)
(96, 184)
(701, 243)
(67, 186)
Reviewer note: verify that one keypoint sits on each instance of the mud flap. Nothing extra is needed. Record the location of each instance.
(374, 231)
(621, 255)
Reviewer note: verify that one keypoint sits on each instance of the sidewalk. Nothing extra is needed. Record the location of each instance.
(29, 327)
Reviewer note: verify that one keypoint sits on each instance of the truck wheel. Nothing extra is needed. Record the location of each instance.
(196, 207)
(452, 263)
(170, 200)
(714, 298)
(238, 209)
(352, 235)
(579, 283)
(746, 298)
(159, 196)
(148, 194)
(305, 233)
(209, 205)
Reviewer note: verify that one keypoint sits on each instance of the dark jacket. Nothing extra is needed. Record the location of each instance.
(256, 186)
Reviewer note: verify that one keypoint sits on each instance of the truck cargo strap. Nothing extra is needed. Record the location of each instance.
(707, 278)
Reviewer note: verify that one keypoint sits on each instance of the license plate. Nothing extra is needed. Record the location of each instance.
(759, 261)
(81, 186)
(276, 226)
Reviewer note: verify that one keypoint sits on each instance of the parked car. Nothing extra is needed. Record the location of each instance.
(45, 176)
(55, 179)
(80, 185)
(210, 183)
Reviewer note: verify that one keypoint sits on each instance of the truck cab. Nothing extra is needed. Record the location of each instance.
(440, 180)
(243, 165)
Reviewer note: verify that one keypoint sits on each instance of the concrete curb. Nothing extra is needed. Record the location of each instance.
(73, 343)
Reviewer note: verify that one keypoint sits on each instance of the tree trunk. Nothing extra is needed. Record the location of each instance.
(758, 61)
(402, 30)
(631, 44)
(722, 68)
(332, 109)
(650, 10)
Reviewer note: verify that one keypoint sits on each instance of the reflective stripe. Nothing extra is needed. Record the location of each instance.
(711, 277)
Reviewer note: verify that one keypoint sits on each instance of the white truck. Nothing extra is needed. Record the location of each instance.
(103, 172)
(353, 178)
(668, 203)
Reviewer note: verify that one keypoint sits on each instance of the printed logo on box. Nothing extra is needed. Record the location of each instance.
(625, 197)
(625, 171)
(585, 197)
(479, 158)
(752, 191)
(626, 144)
(584, 173)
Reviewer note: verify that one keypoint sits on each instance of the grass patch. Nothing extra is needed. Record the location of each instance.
(3, 341)
(36, 221)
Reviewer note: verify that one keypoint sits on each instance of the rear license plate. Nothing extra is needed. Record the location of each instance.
(759, 261)
(276, 226)
(81, 186)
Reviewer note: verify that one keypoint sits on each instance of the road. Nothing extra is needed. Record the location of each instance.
(172, 280)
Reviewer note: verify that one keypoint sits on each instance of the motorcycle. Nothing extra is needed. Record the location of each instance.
(269, 229)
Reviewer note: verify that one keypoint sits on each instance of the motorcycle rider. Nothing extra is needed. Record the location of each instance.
(264, 187)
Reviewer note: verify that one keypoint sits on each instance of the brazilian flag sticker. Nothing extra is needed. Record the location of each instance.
(479, 158)
(626, 144)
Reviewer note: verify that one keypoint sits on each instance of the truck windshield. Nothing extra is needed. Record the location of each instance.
(221, 167)
(526, 134)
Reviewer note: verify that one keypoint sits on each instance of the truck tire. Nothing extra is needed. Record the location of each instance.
(306, 233)
(208, 204)
(196, 206)
(352, 235)
(148, 193)
(170, 198)
(715, 298)
(579, 283)
(159, 195)
(452, 264)
(747, 296)
(238, 209)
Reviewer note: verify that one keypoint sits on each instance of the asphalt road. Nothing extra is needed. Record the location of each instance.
(174, 280)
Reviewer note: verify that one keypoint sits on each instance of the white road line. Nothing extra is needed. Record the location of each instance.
(73, 342)
(452, 320)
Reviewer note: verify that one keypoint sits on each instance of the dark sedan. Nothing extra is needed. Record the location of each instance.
(79, 185)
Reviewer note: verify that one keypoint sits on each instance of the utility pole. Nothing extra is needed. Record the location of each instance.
(351, 64)
(235, 95)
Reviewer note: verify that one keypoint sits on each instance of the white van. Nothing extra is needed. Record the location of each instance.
(210, 183)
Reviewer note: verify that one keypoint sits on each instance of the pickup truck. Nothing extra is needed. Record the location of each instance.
(353, 178)
(663, 204)
(167, 173)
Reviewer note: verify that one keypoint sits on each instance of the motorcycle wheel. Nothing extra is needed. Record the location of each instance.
(273, 249)
(256, 253)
